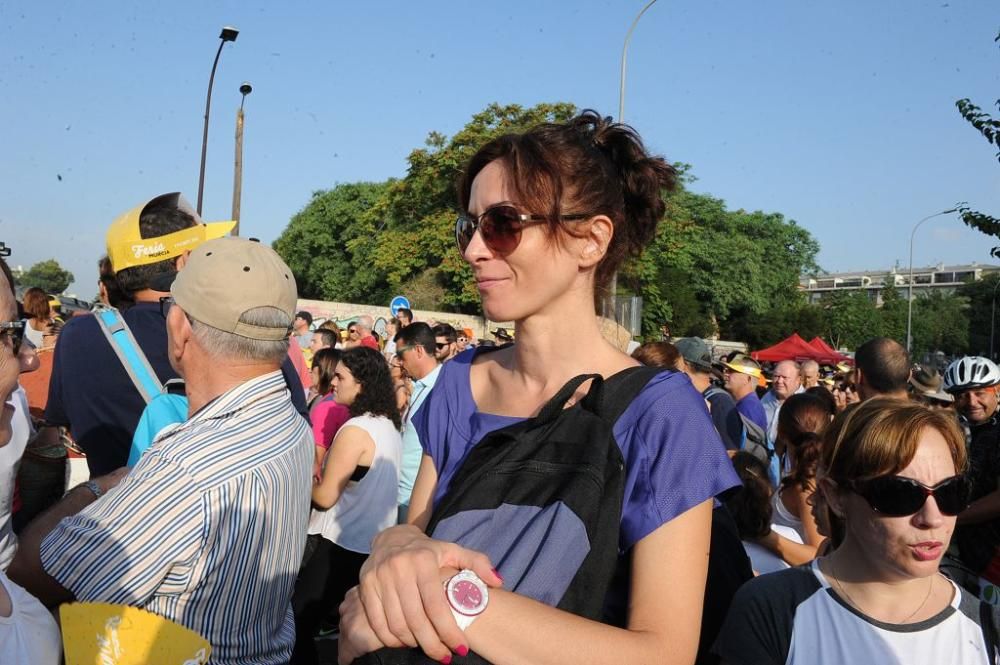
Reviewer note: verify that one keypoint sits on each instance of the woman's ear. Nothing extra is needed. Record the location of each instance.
(596, 239)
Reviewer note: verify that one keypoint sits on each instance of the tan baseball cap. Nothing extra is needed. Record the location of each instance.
(226, 277)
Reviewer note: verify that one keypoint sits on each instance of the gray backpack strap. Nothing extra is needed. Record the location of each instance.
(129, 353)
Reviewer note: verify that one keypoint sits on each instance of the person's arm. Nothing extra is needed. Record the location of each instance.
(983, 509)
(342, 459)
(664, 613)
(422, 497)
(793, 553)
(26, 569)
(803, 509)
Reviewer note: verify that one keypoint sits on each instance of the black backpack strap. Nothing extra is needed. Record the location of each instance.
(986, 623)
(621, 389)
(555, 406)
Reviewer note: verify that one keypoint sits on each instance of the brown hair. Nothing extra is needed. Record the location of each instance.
(587, 165)
(36, 304)
(657, 354)
(879, 437)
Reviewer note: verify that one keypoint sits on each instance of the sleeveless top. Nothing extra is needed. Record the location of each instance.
(366, 506)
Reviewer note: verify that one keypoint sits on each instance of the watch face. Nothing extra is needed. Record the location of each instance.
(466, 596)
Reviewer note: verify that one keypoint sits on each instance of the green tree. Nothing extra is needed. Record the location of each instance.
(47, 275)
(893, 314)
(989, 128)
(852, 318)
(981, 311)
(325, 244)
(940, 323)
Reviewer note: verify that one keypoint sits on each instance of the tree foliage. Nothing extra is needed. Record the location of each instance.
(989, 128)
(365, 242)
(47, 275)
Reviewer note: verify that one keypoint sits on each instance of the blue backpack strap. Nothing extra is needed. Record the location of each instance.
(129, 353)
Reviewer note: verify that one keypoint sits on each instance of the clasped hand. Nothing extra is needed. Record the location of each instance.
(400, 601)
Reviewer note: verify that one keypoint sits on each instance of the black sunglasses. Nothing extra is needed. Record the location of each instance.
(441, 345)
(500, 227)
(896, 496)
(14, 331)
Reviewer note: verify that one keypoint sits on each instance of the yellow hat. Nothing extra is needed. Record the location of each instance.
(102, 633)
(128, 249)
(744, 365)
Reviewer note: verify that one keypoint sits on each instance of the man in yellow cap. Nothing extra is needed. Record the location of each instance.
(742, 375)
(91, 391)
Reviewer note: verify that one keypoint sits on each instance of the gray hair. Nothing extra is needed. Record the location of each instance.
(230, 346)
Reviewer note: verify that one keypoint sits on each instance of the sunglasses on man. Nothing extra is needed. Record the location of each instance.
(896, 496)
(14, 331)
(500, 227)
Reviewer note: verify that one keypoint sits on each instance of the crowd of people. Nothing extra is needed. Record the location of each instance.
(268, 481)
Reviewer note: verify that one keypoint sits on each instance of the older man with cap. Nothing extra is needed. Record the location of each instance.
(208, 529)
(742, 375)
(90, 391)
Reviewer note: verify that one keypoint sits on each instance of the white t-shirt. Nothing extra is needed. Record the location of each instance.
(793, 617)
(10, 461)
(763, 560)
(29, 634)
(783, 517)
(366, 506)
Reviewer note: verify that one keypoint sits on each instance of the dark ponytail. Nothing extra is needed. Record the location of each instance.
(750, 505)
(588, 165)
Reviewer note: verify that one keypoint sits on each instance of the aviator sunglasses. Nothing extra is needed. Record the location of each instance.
(500, 227)
(895, 496)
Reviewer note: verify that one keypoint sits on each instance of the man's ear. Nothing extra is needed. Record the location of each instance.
(182, 260)
(597, 238)
(178, 333)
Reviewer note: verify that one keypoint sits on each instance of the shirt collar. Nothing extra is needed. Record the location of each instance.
(243, 396)
(430, 378)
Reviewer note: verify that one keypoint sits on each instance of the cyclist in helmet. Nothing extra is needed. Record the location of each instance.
(975, 383)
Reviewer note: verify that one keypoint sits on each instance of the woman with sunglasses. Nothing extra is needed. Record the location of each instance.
(892, 472)
(548, 217)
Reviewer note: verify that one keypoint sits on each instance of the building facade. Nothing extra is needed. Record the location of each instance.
(925, 279)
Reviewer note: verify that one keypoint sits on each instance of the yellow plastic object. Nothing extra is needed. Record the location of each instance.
(103, 634)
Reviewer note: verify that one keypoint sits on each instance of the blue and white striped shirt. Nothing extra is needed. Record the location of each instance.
(208, 529)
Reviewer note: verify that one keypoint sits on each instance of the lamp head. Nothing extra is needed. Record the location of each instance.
(229, 34)
(246, 88)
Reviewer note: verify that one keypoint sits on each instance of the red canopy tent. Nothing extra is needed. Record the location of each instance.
(820, 344)
(796, 348)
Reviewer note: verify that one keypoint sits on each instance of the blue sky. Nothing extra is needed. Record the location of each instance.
(839, 115)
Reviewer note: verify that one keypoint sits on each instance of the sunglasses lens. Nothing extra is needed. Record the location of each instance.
(953, 496)
(465, 228)
(501, 229)
(898, 497)
(895, 497)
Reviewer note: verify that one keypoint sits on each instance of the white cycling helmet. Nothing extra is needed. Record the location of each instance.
(970, 372)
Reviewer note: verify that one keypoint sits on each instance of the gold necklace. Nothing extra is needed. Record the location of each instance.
(847, 596)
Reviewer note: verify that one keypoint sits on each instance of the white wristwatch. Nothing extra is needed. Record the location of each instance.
(467, 596)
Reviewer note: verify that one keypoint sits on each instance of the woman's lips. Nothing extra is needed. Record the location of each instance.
(928, 551)
(486, 283)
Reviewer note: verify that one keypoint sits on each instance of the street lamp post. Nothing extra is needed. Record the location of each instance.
(245, 90)
(909, 299)
(228, 34)
(613, 286)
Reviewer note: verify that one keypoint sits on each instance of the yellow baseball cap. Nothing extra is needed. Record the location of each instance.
(744, 365)
(128, 249)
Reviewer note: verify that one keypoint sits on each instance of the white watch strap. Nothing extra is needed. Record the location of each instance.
(463, 620)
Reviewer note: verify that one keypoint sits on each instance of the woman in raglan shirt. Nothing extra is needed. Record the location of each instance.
(892, 472)
(547, 217)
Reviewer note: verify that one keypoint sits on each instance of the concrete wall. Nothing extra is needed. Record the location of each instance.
(344, 311)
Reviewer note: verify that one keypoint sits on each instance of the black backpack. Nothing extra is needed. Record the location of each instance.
(562, 473)
(754, 437)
